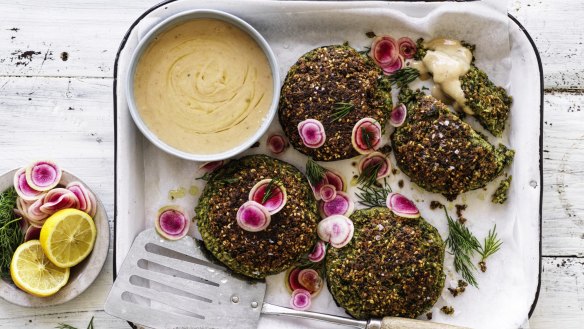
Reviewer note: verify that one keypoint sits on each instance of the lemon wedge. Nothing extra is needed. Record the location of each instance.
(67, 237)
(34, 273)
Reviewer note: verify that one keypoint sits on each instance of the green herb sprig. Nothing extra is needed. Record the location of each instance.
(11, 236)
(366, 136)
(373, 196)
(491, 245)
(340, 110)
(68, 326)
(462, 243)
(368, 176)
(270, 189)
(314, 172)
(404, 76)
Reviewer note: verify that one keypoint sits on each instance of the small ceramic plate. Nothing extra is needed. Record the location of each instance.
(82, 275)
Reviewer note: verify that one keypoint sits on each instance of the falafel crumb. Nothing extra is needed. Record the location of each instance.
(435, 205)
(429, 315)
(500, 195)
(449, 310)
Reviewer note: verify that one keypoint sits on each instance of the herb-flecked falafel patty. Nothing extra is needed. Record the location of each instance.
(324, 80)
(291, 233)
(393, 266)
(442, 153)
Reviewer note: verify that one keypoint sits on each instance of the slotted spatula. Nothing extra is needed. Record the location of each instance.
(172, 284)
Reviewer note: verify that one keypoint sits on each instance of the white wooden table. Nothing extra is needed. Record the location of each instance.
(56, 75)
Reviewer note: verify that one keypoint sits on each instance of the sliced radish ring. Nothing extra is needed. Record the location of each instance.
(336, 180)
(253, 217)
(277, 144)
(366, 135)
(57, 199)
(292, 279)
(378, 159)
(86, 201)
(172, 223)
(398, 115)
(310, 280)
(23, 189)
(407, 47)
(35, 215)
(338, 230)
(402, 206)
(212, 165)
(341, 204)
(318, 252)
(300, 300)
(390, 68)
(43, 175)
(316, 188)
(328, 192)
(384, 50)
(32, 233)
(277, 198)
(312, 133)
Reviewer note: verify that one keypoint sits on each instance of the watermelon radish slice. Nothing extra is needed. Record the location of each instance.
(402, 206)
(338, 230)
(310, 280)
(393, 67)
(35, 216)
(23, 189)
(300, 300)
(43, 175)
(328, 192)
(407, 47)
(398, 115)
(212, 165)
(253, 217)
(277, 144)
(377, 159)
(57, 199)
(384, 50)
(366, 135)
(32, 233)
(336, 180)
(341, 204)
(269, 193)
(172, 223)
(318, 252)
(312, 133)
(86, 201)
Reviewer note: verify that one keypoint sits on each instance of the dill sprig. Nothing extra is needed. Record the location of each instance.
(366, 136)
(404, 76)
(270, 189)
(68, 326)
(368, 176)
(314, 172)
(11, 236)
(462, 243)
(491, 245)
(373, 196)
(340, 110)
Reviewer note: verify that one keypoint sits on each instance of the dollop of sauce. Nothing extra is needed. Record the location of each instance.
(447, 60)
(203, 86)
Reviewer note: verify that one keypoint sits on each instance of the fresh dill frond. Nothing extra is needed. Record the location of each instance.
(491, 245)
(373, 196)
(366, 137)
(11, 236)
(463, 244)
(404, 76)
(314, 172)
(227, 180)
(206, 176)
(365, 51)
(270, 189)
(68, 326)
(368, 176)
(340, 110)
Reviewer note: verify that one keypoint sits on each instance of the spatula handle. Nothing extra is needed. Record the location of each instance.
(400, 323)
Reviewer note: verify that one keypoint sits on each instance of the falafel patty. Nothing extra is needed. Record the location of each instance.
(291, 233)
(322, 81)
(442, 153)
(393, 266)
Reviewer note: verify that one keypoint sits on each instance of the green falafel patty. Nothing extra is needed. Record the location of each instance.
(291, 233)
(324, 80)
(393, 266)
(442, 153)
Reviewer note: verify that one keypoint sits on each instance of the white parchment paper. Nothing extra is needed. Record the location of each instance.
(293, 28)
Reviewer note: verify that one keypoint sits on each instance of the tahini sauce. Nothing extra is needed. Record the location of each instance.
(203, 86)
(447, 60)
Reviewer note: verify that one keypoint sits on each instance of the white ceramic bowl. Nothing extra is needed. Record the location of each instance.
(82, 275)
(181, 18)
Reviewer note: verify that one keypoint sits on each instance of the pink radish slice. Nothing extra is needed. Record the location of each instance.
(407, 47)
(394, 66)
(376, 159)
(36, 216)
(57, 199)
(23, 189)
(277, 198)
(328, 192)
(402, 206)
(212, 165)
(312, 133)
(43, 175)
(32, 233)
(300, 300)
(316, 189)
(22, 207)
(398, 115)
(384, 50)
(172, 223)
(340, 205)
(292, 279)
(310, 280)
(336, 180)
(93, 210)
(366, 135)
(83, 195)
(338, 230)
(318, 252)
(253, 217)
(277, 144)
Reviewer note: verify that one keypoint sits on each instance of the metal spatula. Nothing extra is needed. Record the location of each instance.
(172, 284)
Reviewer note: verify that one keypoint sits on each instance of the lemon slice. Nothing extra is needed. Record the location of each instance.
(34, 273)
(67, 237)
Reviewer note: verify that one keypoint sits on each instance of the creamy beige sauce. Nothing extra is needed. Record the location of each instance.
(447, 60)
(203, 86)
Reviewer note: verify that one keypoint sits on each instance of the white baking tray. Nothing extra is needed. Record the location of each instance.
(508, 291)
